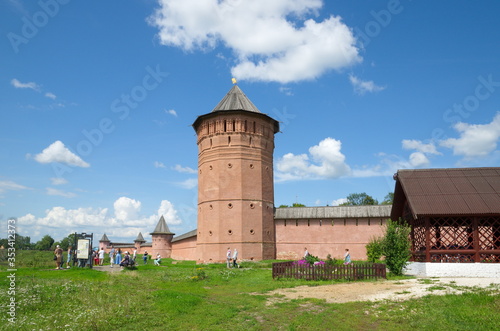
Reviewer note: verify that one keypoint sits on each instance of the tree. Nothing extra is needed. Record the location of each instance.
(375, 249)
(396, 246)
(359, 199)
(388, 199)
(67, 241)
(23, 242)
(295, 204)
(45, 243)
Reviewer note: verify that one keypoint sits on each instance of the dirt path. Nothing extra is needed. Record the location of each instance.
(108, 268)
(380, 290)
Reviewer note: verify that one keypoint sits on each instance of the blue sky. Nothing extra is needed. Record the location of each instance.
(98, 98)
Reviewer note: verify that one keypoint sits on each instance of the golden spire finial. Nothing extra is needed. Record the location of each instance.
(234, 80)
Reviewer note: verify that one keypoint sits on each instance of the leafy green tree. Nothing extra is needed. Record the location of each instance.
(23, 242)
(359, 199)
(67, 241)
(388, 199)
(45, 243)
(375, 249)
(396, 246)
(296, 204)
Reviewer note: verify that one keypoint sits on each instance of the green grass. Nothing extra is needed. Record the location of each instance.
(181, 295)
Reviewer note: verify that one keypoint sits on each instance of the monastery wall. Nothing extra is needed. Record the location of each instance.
(326, 236)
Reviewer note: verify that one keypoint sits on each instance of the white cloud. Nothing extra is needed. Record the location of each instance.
(476, 140)
(126, 208)
(272, 40)
(327, 162)
(31, 85)
(57, 152)
(125, 223)
(361, 86)
(159, 164)
(418, 160)
(338, 202)
(58, 181)
(188, 170)
(8, 185)
(171, 112)
(52, 96)
(169, 213)
(189, 183)
(286, 90)
(429, 148)
(53, 191)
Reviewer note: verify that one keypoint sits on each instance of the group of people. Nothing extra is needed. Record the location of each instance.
(347, 255)
(231, 258)
(115, 257)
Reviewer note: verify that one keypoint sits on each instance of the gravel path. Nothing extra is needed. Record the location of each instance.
(384, 289)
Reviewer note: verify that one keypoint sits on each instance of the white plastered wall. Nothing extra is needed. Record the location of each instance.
(427, 269)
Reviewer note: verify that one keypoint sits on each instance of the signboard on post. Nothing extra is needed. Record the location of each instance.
(83, 249)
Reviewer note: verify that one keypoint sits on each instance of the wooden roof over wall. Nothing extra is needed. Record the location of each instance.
(443, 192)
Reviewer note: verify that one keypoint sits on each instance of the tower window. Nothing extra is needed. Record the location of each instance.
(229, 140)
(234, 125)
(225, 124)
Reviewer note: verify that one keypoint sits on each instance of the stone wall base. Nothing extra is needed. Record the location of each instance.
(428, 269)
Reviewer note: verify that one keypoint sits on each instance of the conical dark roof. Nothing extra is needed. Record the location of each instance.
(235, 99)
(140, 238)
(104, 238)
(161, 227)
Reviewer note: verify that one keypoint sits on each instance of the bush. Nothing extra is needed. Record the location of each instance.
(374, 249)
(396, 246)
(331, 261)
(311, 259)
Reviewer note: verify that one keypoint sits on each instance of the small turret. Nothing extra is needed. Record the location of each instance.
(162, 239)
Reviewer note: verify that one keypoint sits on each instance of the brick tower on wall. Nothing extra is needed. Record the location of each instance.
(235, 180)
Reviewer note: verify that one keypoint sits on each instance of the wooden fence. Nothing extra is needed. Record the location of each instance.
(291, 269)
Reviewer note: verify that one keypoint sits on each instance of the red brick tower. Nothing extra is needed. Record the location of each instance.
(162, 240)
(235, 180)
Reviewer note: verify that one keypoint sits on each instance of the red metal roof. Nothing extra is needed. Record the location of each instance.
(460, 191)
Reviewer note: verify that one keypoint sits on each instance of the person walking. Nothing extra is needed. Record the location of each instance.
(145, 257)
(347, 257)
(235, 257)
(101, 256)
(306, 253)
(70, 253)
(58, 253)
(112, 257)
(228, 257)
(118, 258)
(134, 255)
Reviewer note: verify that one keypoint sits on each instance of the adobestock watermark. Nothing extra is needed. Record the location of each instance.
(381, 19)
(32, 25)
(484, 89)
(121, 106)
(282, 116)
(11, 305)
